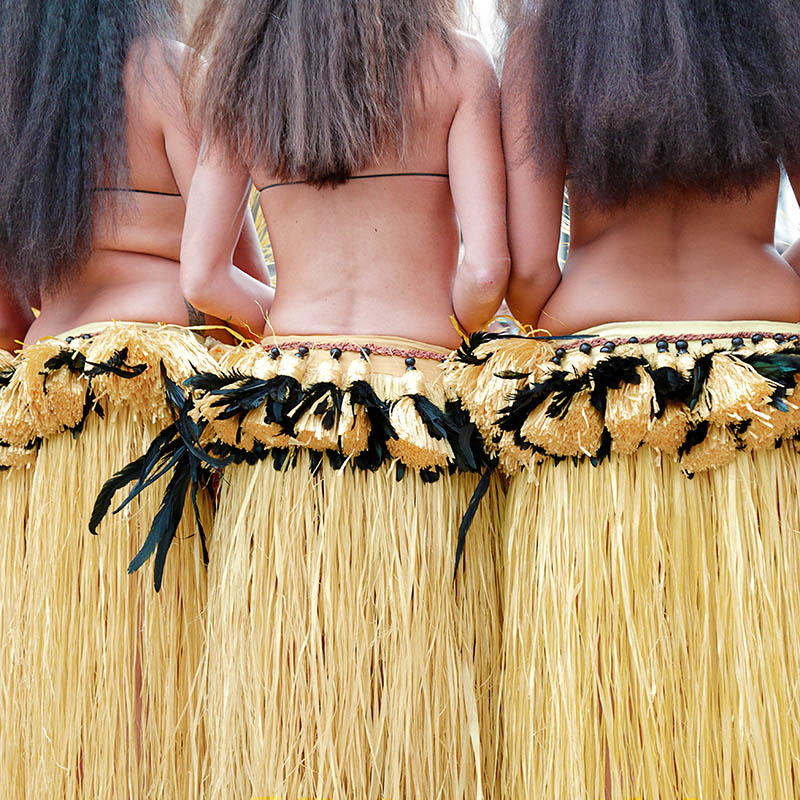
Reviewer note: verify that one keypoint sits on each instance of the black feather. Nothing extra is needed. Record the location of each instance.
(469, 514)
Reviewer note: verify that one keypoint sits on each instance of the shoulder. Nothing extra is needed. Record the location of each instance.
(474, 68)
(155, 63)
(472, 57)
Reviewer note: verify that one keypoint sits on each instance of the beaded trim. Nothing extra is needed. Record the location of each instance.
(350, 347)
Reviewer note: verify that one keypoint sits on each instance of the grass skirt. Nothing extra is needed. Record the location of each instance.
(14, 491)
(102, 689)
(652, 552)
(343, 659)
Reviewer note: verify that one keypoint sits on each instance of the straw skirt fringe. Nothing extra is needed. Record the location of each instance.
(14, 491)
(652, 554)
(650, 630)
(108, 663)
(102, 693)
(343, 661)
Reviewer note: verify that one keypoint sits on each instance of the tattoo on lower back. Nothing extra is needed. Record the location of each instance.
(194, 315)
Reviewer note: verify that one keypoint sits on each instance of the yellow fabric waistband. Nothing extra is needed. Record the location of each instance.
(693, 331)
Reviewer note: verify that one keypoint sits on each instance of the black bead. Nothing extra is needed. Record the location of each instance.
(302, 351)
(756, 338)
(410, 362)
(708, 341)
(86, 336)
(274, 353)
(737, 341)
(556, 360)
(69, 339)
(365, 351)
(606, 349)
(793, 338)
(633, 340)
(681, 345)
(662, 345)
(586, 347)
(779, 338)
(336, 353)
(560, 352)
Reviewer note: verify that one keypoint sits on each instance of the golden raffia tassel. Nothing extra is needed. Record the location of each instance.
(733, 391)
(414, 446)
(14, 456)
(354, 426)
(482, 391)
(178, 349)
(717, 449)
(38, 402)
(56, 398)
(629, 408)
(668, 431)
(309, 429)
(580, 430)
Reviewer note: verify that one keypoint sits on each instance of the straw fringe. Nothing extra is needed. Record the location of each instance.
(100, 700)
(342, 659)
(108, 664)
(649, 626)
(14, 491)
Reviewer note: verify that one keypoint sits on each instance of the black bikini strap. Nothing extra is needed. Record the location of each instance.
(138, 191)
(364, 177)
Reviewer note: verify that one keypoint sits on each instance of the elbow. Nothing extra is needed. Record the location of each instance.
(530, 288)
(195, 283)
(489, 282)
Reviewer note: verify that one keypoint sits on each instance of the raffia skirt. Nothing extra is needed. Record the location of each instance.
(97, 669)
(344, 659)
(652, 554)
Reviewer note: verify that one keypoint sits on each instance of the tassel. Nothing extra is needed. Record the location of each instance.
(670, 421)
(708, 447)
(625, 392)
(732, 390)
(12, 456)
(495, 371)
(421, 440)
(178, 349)
(354, 426)
(570, 424)
(315, 420)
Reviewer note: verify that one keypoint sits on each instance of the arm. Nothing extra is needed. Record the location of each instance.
(181, 142)
(534, 205)
(249, 256)
(477, 183)
(792, 255)
(15, 319)
(215, 214)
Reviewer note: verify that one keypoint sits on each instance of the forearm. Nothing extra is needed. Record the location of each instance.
(248, 255)
(232, 295)
(478, 292)
(528, 294)
(792, 255)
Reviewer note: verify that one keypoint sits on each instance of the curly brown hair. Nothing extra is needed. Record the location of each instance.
(638, 94)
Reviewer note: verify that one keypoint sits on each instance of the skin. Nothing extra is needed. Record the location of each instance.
(376, 256)
(133, 273)
(15, 319)
(672, 255)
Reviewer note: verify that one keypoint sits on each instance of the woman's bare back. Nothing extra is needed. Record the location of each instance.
(675, 255)
(380, 254)
(133, 272)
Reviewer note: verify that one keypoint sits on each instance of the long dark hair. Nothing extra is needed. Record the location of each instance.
(62, 126)
(312, 90)
(640, 94)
